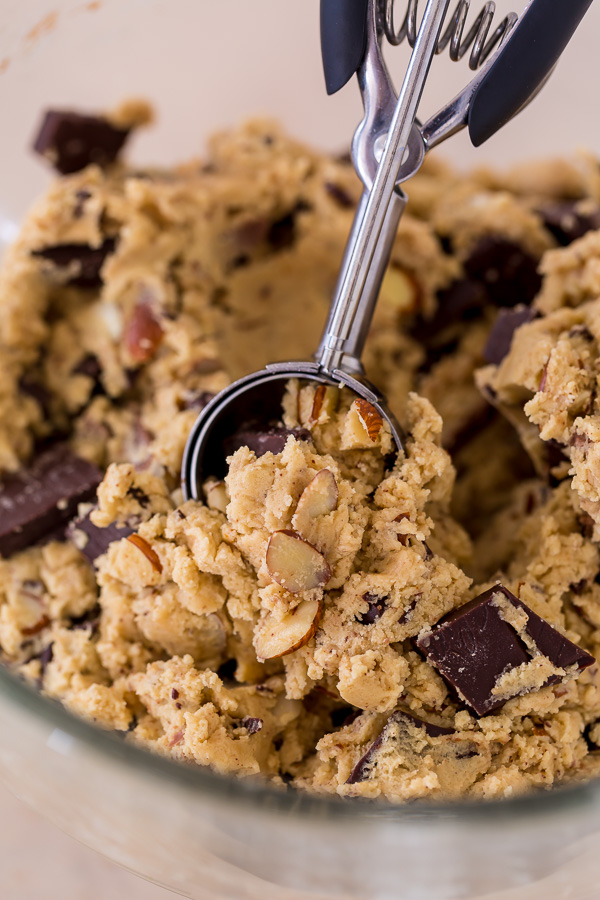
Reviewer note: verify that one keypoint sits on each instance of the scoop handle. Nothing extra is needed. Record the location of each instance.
(530, 54)
(343, 40)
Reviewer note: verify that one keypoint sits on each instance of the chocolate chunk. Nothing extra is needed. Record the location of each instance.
(462, 301)
(36, 501)
(93, 541)
(567, 222)
(46, 657)
(71, 141)
(252, 724)
(32, 386)
(555, 455)
(508, 272)
(82, 262)
(139, 496)
(88, 620)
(198, 399)
(269, 440)
(81, 196)
(581, 331)
(89, 366)
(473, 646)
(405, 616)
(377, 607)
(578, 587)
(339, 194)
(227, 670)
(362, 769)
(282, 233)
(343, 715)
(502, 331)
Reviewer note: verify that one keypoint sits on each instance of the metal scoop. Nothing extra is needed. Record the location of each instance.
(389, 146)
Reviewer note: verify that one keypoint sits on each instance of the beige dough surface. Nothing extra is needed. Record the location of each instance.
(278, 629)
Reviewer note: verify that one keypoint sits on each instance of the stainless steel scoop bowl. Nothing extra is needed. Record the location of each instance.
(389, 146)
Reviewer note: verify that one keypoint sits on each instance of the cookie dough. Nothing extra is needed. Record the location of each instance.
(332, 617)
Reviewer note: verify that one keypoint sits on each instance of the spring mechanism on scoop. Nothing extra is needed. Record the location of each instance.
(478, 36)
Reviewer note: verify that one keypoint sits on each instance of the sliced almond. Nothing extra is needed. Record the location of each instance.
(400, 291)
(325, 402)
(295, 564)
(278, 636)
(319, 497)
(35, 629)
(216, 495)
(370, 418)
(142, 334)
(151, 555)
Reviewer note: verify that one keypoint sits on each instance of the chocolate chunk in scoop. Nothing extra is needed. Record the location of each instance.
(35, 502)
(94, 541)
(71, 141)
(81, 263)
(502, 331)
(475, 645)
(269, 440)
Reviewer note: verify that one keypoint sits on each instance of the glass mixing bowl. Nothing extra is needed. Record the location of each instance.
(205, 836)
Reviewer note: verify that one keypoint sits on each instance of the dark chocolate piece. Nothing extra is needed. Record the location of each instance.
(340, 195)
(71, 141)
(93, 541)
(462, 301)
(555, 453)
(139, 496)
(473, 646)
(252, 724)
(46, 657)
(343, 715)
(83, 262)
(501, 334)
(89, 619)
(227, 670)
(29, 384)
(90, 366)
(198, 399)
(509, 273)
(566, 223)
(361, 770)
(377, 607)
(35, 502)
(269, 440)
(282, 233)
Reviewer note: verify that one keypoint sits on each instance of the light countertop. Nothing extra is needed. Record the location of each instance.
(39, 862)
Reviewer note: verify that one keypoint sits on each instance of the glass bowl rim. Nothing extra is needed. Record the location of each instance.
(250, 791)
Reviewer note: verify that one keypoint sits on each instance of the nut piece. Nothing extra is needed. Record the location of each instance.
(369, 417)
(295, 564)
(142, 334)
(216, 495)
(325, 403)
(279, 636)
(319, 497)
(151, 555)
(400, 291)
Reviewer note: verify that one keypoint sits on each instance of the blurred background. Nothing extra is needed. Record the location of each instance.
(206, 65)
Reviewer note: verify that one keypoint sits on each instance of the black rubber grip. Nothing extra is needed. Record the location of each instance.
(539, 38)
(343, 40)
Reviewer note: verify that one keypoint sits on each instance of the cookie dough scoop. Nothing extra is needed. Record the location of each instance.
(389, 146)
